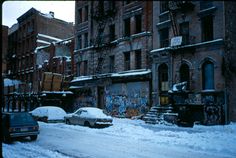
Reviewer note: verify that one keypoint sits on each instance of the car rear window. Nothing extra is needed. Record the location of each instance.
(21, 119)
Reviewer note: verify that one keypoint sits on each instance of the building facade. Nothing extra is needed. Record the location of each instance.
(4, 48)
(112, 41)
(193, 43)
(35, 29)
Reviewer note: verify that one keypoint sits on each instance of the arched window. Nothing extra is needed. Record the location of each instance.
(184, 74)
(163, 77)
(208, 75)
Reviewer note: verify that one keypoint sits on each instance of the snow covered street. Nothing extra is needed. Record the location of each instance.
(127, 138)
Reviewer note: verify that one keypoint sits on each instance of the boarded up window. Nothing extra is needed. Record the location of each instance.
(163, 77)
(208, 75)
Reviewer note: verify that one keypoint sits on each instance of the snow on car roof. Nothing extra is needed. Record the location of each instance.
(93, 112)
(52, 112)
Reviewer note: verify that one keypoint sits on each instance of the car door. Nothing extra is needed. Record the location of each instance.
(82, 117)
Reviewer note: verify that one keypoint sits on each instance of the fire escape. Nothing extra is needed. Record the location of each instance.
(102, 15)
(175, 7)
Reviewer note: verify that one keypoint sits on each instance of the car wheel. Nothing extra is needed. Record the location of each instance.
(68, 122)
(86, 123)
(34, 137)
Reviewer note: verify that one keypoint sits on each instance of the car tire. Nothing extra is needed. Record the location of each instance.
(87, 124)
(67, 122)
(34, 137)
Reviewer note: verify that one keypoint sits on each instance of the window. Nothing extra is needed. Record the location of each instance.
(164, 37)
(85, 68)
(163, 6)
(112, 32)
(112, 5)
(80, 15)
(205, 4)
(127, 27)
(127, 60)
(112, 63)
(86, 14)
(101, 6)
(184, 74)
(163, 77)
(79, 45)
(184, 32)
(208, 75)
(207, 28)
(138, 20)
(78, 68)
(86, 40)
(138, 57)
(127, 2)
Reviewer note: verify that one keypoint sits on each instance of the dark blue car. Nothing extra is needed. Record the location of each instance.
(19, 124)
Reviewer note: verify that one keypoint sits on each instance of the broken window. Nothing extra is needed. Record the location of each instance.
(127, 27)
(205, 4)
(207, 28)
(86, 40)
(163, 6)
(127, 60)
(86, 14)
(184, 32)
(138, 20)
(112, 63)
(208, 75)
(163, 77)
(138, 59)
(80, 15)
(112, 32)
(164, 37)
(184, 74)
(79, 45)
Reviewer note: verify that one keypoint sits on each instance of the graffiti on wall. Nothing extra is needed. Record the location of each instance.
(127, 99)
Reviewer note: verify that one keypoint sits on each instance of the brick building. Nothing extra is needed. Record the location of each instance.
(34, 29)
(112, 41)
(193, 41)
(4, 48)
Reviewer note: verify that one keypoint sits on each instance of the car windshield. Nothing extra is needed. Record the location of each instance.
(21, 119)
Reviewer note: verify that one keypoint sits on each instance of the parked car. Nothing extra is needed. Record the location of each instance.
(18, 124)
(48, 114)
(89, 116)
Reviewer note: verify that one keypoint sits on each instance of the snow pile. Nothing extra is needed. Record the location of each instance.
(17, 150)
(129, 138)
(51, 112)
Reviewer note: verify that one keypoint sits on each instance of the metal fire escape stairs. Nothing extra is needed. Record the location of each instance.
(102, 16)
(164, 114)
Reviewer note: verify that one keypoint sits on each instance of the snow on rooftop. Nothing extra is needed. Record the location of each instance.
(82, 78)
(42, 41)
(132, 73)
(57, 92)
(49, 37)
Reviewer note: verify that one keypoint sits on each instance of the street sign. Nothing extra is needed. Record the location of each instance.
(176, 41)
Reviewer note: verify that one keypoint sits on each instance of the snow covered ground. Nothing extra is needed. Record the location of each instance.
(127, 139)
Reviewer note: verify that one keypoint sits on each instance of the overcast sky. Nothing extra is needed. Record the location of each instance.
(11, 10)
